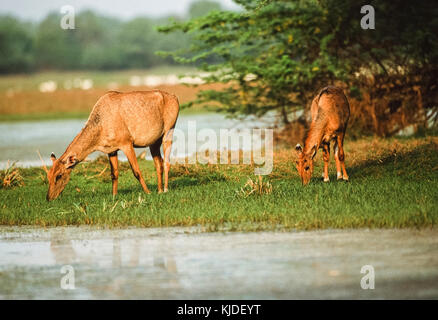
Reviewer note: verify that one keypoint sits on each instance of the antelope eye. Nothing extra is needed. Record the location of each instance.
(59, 176)
(307, 168)
(296, 162)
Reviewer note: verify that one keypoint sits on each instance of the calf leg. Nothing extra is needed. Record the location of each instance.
(167, 146)
(130, 154)
(338, 163)
(158, 161)
(326, 158)
(341, 156)
(113, 160)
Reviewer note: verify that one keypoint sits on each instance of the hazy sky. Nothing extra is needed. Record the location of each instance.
(125, 9)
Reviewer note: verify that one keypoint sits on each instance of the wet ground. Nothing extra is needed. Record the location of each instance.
(180, 263)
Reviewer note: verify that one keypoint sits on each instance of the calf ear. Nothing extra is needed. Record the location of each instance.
(298, 148)
(313, 153)
(53, 157)
(71, 161)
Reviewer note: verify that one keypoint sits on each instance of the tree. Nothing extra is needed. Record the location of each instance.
(275, 54)
(139, 41)
(202, 7)
(272, 55)
(392, 70)
(16, 46)
(55, 47)
(97, 42)
(97, 36)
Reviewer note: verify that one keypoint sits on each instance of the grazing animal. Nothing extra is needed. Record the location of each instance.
(330, 111)
(121, 121)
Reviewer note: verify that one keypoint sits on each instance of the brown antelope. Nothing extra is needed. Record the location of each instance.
(330, 111)
(121, 121)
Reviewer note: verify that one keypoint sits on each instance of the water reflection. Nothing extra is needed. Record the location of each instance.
(163, 264)
(62, 250)
(122, 267)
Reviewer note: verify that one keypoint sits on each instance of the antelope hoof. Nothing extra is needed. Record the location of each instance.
(165, 190)
(339, 176)
(160, 191)
(327, 179)
(345, 179)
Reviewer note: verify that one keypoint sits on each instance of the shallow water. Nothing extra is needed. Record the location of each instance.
(20, 140)
(181, 263)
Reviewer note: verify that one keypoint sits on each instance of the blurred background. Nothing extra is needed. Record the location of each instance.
(108, 35)
(51, 73)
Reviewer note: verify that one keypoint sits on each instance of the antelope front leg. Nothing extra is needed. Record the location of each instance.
(113, 160)
(130, 154)
(326, 157)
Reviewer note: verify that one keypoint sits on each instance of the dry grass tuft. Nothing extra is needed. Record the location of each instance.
(11, 177)
(255, 187)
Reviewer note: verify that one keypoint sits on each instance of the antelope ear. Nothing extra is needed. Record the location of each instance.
(53, 157)
(71, 161)
(298, 148)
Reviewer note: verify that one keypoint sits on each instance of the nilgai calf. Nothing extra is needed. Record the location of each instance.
(122, 121)
(330, 111)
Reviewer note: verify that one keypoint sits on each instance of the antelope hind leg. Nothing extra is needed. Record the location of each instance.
(130, 154)
(167, 146)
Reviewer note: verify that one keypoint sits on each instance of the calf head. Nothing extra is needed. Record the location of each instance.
(305, 163)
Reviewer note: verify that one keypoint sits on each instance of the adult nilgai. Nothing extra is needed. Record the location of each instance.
(122, 121)
(330, 111)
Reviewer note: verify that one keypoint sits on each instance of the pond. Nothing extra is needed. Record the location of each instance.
(184, 263)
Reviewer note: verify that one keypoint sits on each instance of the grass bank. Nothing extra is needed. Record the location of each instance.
(394, 184)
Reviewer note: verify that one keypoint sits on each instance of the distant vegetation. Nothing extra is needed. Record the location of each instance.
(97, 43)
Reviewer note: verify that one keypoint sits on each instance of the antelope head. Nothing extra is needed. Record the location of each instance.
(59, 175)
(305, 163)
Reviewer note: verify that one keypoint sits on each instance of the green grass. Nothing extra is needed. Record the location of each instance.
(393, 184)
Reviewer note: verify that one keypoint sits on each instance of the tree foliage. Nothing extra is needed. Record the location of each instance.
(275, 54)
(16, 45)
(97, 42)
(202, 7)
